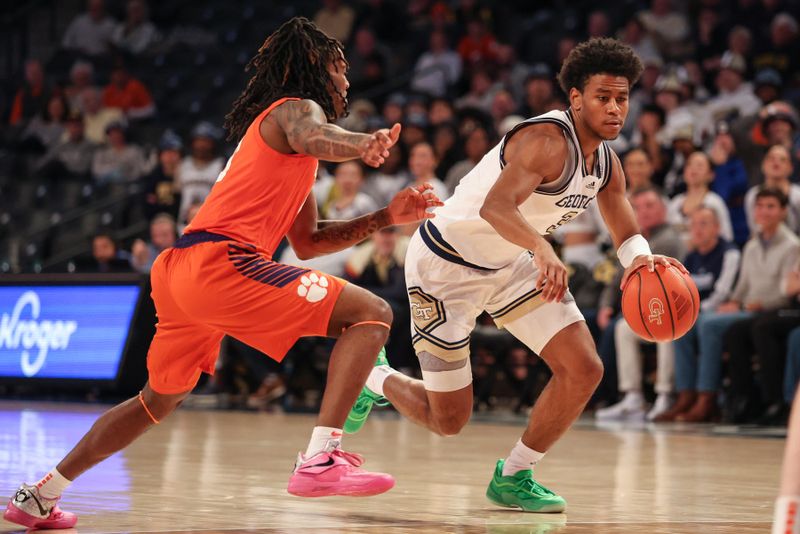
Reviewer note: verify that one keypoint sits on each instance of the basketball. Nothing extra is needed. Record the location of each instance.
(661, 305)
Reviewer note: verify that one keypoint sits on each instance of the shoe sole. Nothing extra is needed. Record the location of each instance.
(627, 418)
(547, 509)
(368, 491)
(17, 516)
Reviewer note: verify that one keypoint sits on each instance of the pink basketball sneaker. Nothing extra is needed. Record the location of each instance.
(335, 472)
(31, 510)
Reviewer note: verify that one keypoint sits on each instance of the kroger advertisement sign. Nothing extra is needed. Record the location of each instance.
(73, 332)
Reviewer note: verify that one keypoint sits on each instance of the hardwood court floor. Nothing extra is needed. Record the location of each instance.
(210, 471)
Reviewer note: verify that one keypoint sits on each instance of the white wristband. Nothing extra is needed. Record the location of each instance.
(635, 245)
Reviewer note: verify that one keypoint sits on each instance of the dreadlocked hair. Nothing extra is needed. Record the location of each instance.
(599, 55)
(293, 61)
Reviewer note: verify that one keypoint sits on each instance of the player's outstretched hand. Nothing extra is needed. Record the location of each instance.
(375, 149)
(553, 278)
(412, 204)
(650, 261)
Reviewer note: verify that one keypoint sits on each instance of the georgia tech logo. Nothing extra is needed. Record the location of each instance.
(427, 312)
(44, 335)
(421, 312)
(656, 308)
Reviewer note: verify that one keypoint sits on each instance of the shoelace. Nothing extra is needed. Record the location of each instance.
(531, 486)
(363, 403)
(350, 457)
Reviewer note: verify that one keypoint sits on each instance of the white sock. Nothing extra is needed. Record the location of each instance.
(323, 437)
(787, 515)
(663, 399)
(53, 485)
(522, 457)
(634, 398)
(377, 377)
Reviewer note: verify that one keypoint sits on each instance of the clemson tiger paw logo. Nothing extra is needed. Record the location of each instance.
(313, 287)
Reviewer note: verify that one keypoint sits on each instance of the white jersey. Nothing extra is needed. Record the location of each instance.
(459, 233)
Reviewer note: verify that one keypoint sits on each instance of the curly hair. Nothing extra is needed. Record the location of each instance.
(293, 61)
(599, 56)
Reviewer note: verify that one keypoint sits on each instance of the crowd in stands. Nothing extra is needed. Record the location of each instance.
(710, 150)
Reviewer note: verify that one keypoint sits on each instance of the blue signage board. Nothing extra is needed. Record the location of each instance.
(65, 331)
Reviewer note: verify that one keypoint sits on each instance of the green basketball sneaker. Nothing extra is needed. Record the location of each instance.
(366, 399)
(523, 492)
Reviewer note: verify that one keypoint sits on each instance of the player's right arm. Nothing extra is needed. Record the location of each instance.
(621, 222)
(309, 239)
(534, 156)
(305, 129)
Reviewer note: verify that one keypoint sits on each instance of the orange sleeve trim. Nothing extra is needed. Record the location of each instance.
(146, 409)
(376, 323)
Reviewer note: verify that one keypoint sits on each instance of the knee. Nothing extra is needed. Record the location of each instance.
(592, 369)
(583, 371)
(374, 309)
(379, 310)
(159, 405)
(451, 423)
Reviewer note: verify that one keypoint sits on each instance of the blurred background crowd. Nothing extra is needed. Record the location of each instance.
(111, 139)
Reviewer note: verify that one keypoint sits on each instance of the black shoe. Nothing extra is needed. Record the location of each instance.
(776, 414)
(740, 411)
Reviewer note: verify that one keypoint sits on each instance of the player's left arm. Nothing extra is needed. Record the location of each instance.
(309, 239)
(632, 249)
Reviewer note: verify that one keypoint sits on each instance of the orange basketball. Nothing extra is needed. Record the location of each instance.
(661, 305)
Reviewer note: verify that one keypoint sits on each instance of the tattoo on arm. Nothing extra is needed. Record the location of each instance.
(331, 142)
(309, 132)
(342, 235)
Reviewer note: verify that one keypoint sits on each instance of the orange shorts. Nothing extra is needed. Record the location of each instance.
(209, 286)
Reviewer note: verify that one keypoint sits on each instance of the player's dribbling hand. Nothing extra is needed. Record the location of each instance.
(412, 204)
(375, 149)
(650, 261)
(553, 278)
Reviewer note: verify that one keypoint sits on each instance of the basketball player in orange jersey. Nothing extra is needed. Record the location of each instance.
(220, 279)
(787, 507)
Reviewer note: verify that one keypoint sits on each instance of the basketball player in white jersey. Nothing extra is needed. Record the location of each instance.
(486, 251)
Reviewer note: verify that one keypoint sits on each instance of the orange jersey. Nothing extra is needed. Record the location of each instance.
(259, 192)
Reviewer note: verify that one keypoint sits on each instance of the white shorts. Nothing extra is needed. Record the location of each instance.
(446, 298)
